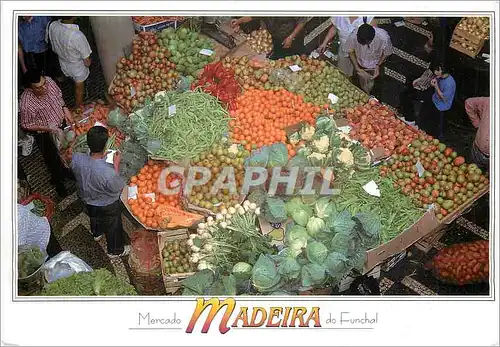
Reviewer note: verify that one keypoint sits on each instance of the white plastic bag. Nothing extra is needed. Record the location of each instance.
(64, 265)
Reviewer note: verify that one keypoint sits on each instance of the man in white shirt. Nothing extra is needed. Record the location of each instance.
(368, 48)
(73, 49)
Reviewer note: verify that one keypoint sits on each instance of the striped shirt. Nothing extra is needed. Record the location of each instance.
(42, 111)
(369, 55)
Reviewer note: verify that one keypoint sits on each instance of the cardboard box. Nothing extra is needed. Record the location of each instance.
(172, 281)
(190, 222)
(465, 206)
(421, 228)
(391, 263)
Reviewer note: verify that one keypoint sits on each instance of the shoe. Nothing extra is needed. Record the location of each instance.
(126, 251)
(27, 145)
(98, 238)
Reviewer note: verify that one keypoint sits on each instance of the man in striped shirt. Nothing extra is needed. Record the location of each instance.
(43, 113)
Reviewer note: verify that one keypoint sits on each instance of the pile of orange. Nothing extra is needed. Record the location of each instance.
(262, 116)
(149, 212)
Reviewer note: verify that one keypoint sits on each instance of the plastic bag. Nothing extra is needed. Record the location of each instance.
(184, 83)
(64, 265)
(286, 78)
(462, 263)
(30, 260)
(153, 146)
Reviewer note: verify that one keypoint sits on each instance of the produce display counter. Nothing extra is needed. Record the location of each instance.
(368, 137)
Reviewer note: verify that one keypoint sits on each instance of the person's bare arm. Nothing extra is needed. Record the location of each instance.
(287, 43)
(373, 23)
(235, 23)
(20, 54)
(87, 61)
(354, 60)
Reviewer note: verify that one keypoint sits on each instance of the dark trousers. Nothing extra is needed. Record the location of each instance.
(480, 159)
(51, 158)
(411, 102)
(36, 61)
(279, 52)
(431, 120)
(107, 220)
(53, 247)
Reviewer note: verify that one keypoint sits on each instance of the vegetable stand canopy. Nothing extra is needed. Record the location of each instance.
(230, 118)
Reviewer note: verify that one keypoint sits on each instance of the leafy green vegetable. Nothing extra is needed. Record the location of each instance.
(316, 252)
(275, 211)
(100, 282)
(29, 260)
(242, 270)
(324, 125)
(315, 225)
(313, 275)
(323, 207)
(296, 232)
(336, 264)
(278, 155)
(301, 215)
(289, 268)
(265, 274)
(341, 222)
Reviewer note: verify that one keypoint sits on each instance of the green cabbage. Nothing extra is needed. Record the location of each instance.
(314, 226)
(323, 207)
(316, 252)
(275, 210)
(301, 216)
(242, 270)
(313, 275)
(278, 155)
(265, 274)
(294, 233)
(289, 268)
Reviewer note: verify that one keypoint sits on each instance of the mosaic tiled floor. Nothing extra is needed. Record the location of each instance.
(408, 277)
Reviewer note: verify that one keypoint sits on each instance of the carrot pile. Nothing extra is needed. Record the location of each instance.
(148, 20)
(262, 116)
(149, 211)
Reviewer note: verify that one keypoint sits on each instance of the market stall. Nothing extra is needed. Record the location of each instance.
(183, 104)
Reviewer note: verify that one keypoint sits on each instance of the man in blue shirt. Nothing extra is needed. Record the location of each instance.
(32, 48)
(431, 116)
(99, 186)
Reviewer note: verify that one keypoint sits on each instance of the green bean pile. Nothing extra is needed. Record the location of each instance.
(200, 121)
(397, 211)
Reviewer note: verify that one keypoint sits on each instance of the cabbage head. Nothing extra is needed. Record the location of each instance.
(301, 216)
(315, 225)
(316, 252)
(242, 270)
(296, 232)
(265, 274)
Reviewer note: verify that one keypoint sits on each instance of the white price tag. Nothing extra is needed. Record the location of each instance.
(314, 55)
(30, 206)
(132, 192)
(485, 55)
(207, 52)
(110, 156)
(132, 91)
(328, 54)
(150, 195)
(487, 60)
(399, 24)
(346, 129)
(333, 98)
(172, 109)
(430, 207)
(420, 168)
(372, 189)
(99, 124)
(295, 68)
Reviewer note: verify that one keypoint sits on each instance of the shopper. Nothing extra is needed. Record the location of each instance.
(43, 114)
(478, 110)
(431, 118)
(35, 231)
(368, 48)
(99, 186)
(32, 48)
(287, 34)
(414, 95)
(73, 50)
(344, 26)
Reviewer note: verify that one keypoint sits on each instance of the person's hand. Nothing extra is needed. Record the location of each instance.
(322, 48)
(68, 116)
(414, 83)
(363, 73)
(287, 43)
(53, 129)
(116, 158)
(376, 73)
(235, 24)
(434, 82)
(24, 69)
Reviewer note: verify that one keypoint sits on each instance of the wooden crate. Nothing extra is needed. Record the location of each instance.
(172, 281)
(458, 47)
(461, 36)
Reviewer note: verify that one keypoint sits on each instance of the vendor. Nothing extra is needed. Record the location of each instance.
(43, 114)
(287, 34)
(344, 27)
(478, 110)
(431, 117)
(368, 49)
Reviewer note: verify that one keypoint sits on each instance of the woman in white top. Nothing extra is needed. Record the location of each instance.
(344, 26)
